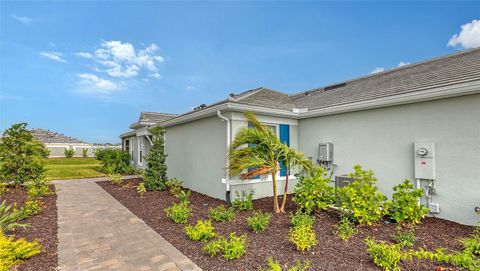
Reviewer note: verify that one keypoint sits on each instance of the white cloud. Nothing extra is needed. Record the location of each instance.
(469, 36)
(57, 56)
(23, 19)
(122, 59)
(83, 54)
(377, 70)
(190, 88)
(93, 83)
(402, 64)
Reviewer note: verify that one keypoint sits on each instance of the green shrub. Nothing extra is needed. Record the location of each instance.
(184, 196)
(141, 189)
(174, 185)
(303, 237)
(3, 189)
(156, 172)
(31, 207)
(203, 230)
(38, 189)
(12, 252)
(273, 265)
(115, 178)
(221, 213)
(345, 229)
(313, 192)
(386, 256)
(178, 213)
(85, 153)
(243, 201)
(404, 205)
(258, 222)
(361, 200)
(472, 243)
(69, 153)
(404, 237)
(9, 216)
(301, 219)
(21, 156)
(232, 248)
(114, 160)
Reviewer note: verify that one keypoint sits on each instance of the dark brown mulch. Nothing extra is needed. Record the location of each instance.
(42, 227)
(330, 253)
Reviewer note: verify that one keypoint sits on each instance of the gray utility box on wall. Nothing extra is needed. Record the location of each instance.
(424, 160)
(325, 152)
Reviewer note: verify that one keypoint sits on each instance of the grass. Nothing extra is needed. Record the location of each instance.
(72, 168)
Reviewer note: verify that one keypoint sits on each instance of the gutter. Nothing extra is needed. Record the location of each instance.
(227, 173)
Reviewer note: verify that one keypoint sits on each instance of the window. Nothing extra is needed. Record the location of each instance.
(127, 145)
(141, 157)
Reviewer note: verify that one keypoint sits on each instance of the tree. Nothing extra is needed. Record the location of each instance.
(155, 174)
(261, 156)
(291, 158)
(21, 156)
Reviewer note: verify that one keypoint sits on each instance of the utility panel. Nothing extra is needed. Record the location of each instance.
(325, 152)
(424, 160)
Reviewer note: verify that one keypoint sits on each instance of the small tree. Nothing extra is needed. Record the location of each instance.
(21, 156)
(69, 152)
(155, 174)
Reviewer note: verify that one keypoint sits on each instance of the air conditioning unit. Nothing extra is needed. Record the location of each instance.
(343, 180)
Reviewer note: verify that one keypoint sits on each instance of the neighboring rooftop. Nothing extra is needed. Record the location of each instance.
(151, 118)
(47, 136)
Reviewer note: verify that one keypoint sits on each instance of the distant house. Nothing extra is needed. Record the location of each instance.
(420, 121)
(56, 143)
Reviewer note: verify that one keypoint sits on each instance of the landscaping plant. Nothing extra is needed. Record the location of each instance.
(114, 160)
(300, 219)
(203, 230)
(404, 206)
(472, 243)
(386, 256)
(178, 213)
(141, 189)
(273, 265)
(69, 153)
(292, 158)
(243, 201)
(258, 222)
(404, 237)
(85, 153)
(3, 189)
(345, 229)
(174, 185)
(9, 216)
(221, 213)
(21, 156)
(115, 178)
(361, 199)
(232, 248)
(303, 237)
(314, 192)
(12, 252)
(184, 196)
(31, 207)
(38, 189)
(261, 156)
(155, 174)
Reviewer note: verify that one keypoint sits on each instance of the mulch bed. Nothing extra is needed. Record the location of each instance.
(330, 254)
(42, 227)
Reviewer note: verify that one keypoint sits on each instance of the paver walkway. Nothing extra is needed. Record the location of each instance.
(96, 232)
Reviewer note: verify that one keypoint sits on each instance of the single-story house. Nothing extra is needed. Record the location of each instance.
(56, 143)
(419, 122)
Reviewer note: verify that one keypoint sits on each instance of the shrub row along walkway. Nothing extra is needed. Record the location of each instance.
(96, 232)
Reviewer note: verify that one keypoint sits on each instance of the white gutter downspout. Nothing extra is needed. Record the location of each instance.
(227, 174)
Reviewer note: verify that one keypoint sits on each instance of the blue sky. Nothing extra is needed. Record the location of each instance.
(86, 69)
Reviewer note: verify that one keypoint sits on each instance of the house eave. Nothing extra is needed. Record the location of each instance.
(128, 134)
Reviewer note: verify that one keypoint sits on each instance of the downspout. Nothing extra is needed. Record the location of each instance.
(227, 174)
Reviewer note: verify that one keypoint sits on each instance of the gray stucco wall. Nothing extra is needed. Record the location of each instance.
(196, 155)
(382, 140)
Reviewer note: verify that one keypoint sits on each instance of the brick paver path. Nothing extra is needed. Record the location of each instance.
(96, 232)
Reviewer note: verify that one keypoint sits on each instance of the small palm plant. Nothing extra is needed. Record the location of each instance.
(261, 156)
(291, 158)
(9, 217)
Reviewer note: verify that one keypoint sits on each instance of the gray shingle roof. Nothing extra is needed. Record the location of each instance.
(46, 136)
(448, 70)
(265, 97)
(153, 117)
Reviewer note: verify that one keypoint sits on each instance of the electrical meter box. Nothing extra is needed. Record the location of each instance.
(424, 160)
(325, 152)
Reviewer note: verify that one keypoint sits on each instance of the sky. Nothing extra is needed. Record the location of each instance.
(88, 68)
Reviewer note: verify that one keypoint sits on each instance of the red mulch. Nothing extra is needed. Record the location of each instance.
(330, 254)
(42, 227)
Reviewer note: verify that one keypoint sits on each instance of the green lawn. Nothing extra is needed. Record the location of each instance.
(72, 168)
